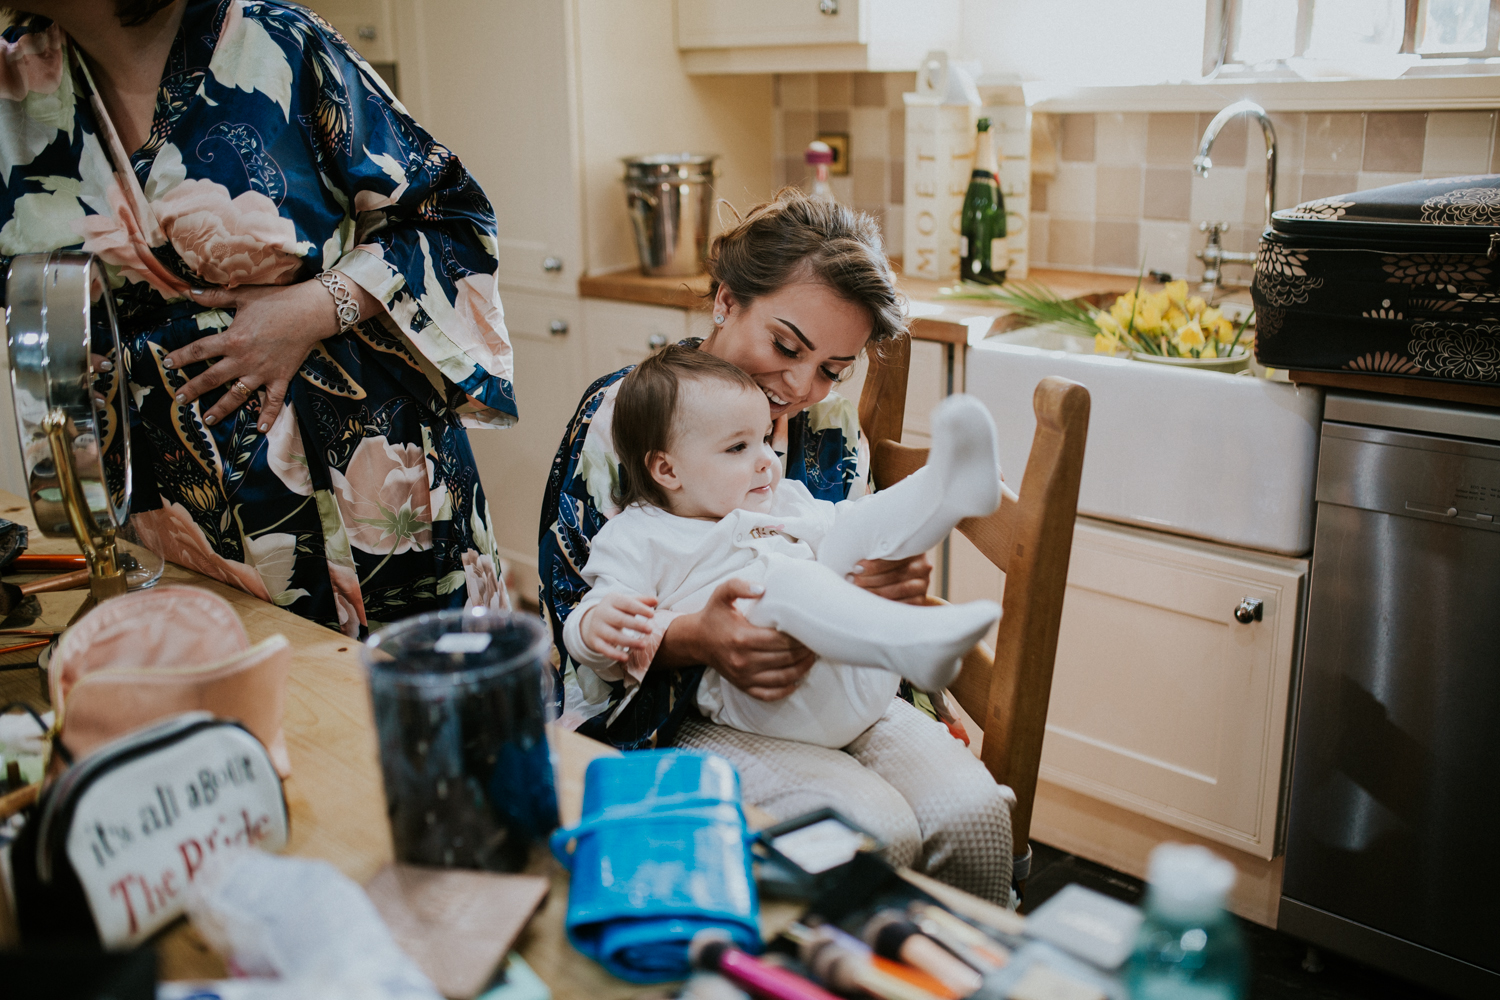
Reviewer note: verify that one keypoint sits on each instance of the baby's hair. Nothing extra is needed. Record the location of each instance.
(646, 410)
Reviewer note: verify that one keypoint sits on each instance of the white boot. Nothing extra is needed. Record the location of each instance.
(844, 623)
(961, 479)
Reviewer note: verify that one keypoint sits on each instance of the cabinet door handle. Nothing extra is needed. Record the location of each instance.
(552, 264)
(1249, 610)
(558, 327)
(828, 7)
(656, 341)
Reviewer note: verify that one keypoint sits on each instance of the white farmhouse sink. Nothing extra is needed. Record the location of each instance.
(1229, 458)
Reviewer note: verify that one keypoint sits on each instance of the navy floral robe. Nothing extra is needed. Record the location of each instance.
(276, 152)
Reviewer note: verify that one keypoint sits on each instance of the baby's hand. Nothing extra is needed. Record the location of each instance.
(618, 624)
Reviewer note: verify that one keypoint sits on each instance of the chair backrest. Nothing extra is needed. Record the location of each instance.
(1030, 538)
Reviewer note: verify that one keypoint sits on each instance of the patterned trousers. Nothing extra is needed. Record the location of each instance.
(905, 779)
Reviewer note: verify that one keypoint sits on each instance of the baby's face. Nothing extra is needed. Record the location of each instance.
(721, 454)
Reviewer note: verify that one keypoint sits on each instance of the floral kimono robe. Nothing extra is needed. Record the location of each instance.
(276, 152)
(822, 449)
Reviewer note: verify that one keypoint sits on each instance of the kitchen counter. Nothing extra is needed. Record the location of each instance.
(933, 319)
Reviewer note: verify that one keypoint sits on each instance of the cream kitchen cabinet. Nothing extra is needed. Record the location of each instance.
(1164, 703)
(798, 36)
(546, 334)
(622, 333)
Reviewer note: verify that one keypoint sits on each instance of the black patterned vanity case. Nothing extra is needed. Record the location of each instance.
(1401, 281)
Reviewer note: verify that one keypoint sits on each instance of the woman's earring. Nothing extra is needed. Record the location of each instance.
(719, 319)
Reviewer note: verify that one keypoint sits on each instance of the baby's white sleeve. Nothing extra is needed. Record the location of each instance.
(614, 567)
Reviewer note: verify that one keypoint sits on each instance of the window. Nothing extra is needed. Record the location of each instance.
(1349, 37)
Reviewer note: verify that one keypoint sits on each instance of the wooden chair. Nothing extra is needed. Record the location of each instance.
(1030, 538)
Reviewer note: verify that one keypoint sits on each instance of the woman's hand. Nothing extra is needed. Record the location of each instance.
(618, 624)
(762, 662)
(904, 580)
(275, 328)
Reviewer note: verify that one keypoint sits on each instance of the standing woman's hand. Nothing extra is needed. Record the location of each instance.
(275, 328)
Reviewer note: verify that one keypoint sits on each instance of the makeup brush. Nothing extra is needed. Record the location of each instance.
(845, 969)
(39, 562)
(712, 951)
(897, 938)
(13, 594)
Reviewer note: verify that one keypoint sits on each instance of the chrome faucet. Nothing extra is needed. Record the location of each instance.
(1213, 255)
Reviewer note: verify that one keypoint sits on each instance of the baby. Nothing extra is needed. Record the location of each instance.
(703, 501)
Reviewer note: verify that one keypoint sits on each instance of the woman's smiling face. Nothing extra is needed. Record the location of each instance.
(795, 342)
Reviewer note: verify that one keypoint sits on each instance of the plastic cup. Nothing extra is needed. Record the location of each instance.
(461, 700)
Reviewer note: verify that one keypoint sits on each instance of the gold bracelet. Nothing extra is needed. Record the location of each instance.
(343, 299)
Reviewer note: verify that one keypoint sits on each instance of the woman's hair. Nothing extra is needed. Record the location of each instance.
(131, 13)
(646, 411)
(792, 238)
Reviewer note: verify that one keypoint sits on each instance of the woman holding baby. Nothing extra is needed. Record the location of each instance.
(799, 289)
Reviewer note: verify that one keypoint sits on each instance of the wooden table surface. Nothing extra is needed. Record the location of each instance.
(334, 794)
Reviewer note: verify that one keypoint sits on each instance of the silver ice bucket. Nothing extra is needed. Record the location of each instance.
(669, 196)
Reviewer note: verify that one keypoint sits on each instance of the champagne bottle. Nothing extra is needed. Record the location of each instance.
(982, 252)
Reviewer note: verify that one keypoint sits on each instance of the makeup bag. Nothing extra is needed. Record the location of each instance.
(111, 847)
(1398, 282)
(154, 653)
(660, 854)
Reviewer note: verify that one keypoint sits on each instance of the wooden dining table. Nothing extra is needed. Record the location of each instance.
(334, 794)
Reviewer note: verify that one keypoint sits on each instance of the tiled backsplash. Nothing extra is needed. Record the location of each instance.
(866, 106)
(1125, 191)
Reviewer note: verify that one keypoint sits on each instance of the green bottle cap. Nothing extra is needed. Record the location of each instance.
(984, 124)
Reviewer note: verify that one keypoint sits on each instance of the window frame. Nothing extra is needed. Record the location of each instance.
(1222, 22)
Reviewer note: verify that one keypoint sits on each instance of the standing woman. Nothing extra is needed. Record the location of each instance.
(306, 289)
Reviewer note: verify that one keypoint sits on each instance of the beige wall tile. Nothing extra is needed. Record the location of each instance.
(1326, 185)
(1219, 197)
(1371, 179)
(1072, 193)
(898, 133)
(897, 172)
(1229, 147)
(834, 90)
(1039, 189)
(795, 91)
(1291, 136)
(868, 90)
(1165, 247)
(1040, 244)
(1168, 193)
(897, 84)
(1070, 241)
(798, 128)
(869, 181)
(894, 229)
(843, 189)
(1120, 139)
(1255, 196)
(1117, 244)
(1118, 191)
(833, 121)
(1458, 142)
(1077, 143)
(1171, 139)
(1394, 140)
(1333, 141)
(869, 136)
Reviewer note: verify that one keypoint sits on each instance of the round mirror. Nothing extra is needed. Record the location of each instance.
(60, 318)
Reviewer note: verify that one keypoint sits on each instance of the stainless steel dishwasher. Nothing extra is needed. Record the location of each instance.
(1393, 835)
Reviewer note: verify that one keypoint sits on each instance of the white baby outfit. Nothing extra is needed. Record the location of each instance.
(681, 561)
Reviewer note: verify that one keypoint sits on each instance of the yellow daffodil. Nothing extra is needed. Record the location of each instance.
(1175, 317)
(1190, 337)
(1161, 300)
(1111, 333)
(1196, 305)
(1105, 344)
(1177, 292)
(1123, 307)
(1225, 331)
(1210, 318)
